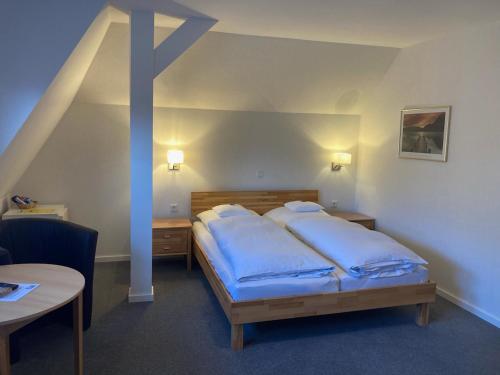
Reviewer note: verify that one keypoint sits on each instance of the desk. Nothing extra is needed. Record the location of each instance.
(58, 286)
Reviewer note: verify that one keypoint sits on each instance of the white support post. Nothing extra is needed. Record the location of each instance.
(146, 63)
(141, 154)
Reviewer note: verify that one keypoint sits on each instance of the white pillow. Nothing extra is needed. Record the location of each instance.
(299, 206)
(207, 216)
(227, 210)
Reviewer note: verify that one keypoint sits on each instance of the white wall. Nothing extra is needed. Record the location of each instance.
(225, 149)
(85, 165)
(448, 212)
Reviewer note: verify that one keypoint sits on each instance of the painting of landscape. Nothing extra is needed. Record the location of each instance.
(424, 133)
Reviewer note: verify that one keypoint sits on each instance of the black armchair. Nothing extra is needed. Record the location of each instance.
(55, 242)
(5, 257)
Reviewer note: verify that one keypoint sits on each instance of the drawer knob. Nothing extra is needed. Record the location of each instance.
(167, 236)
(166, 247)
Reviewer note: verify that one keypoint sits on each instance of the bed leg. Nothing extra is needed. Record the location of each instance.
(237, 336)
(422, 314)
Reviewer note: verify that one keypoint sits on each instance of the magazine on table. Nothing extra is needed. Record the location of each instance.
(17, 291)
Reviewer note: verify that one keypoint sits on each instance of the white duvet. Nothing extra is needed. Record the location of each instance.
(359, 251)
(257, 248)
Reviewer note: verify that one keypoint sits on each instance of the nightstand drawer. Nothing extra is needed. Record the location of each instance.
(169, 248)
(169, 241)
(172, 235)
(172, 241)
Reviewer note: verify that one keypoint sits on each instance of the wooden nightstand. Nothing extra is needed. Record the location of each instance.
(355, 217)
(172, 237)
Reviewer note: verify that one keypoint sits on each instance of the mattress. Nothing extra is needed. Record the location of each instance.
(339, 280)
(267, 288)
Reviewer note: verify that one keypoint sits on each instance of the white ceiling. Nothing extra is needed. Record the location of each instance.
(394, 23)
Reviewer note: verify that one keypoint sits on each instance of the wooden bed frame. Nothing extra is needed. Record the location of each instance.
(261, 310)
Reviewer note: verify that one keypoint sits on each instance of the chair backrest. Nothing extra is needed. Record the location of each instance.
(48, 241)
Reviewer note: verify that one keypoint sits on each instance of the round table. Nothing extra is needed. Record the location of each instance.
(58, 286)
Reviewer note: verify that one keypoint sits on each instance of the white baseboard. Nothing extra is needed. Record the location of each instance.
(112, 258)
(469, 307)
(147, 297)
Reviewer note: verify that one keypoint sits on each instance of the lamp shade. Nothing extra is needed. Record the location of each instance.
(342, 158)
(175, 156)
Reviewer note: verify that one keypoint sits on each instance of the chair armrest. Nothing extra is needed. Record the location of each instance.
(5, 257)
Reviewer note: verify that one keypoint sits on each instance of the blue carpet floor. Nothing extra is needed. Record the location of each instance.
(185, 332)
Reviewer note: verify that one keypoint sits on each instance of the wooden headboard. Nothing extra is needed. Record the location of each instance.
(259, 201)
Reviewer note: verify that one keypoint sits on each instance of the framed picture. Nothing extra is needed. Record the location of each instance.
(424, 133)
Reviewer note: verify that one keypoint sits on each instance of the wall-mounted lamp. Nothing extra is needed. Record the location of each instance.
(175, 158)
(340, 159)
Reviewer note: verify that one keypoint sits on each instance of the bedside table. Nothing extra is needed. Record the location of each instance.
(355, 217)
(172, 237)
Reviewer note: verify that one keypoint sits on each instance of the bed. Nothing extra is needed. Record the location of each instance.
(322, 297)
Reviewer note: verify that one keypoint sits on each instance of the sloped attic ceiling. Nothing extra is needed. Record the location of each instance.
(50, 46)
(36, 37)
(33, 102)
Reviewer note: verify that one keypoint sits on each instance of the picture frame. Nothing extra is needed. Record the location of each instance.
(424, 133)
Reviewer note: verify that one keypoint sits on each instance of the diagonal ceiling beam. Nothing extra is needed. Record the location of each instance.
(179, 41)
